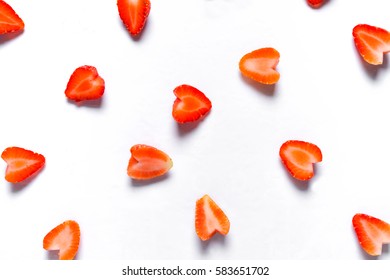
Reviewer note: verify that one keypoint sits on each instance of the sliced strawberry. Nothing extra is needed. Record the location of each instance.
(260, 65)
(298, 157)
(315, 3)
(64, 238)
(134, 14)
(147, 162)
(371, 42)
(209, 219)
(85, 84)
(9, 20)
(371, 232)
(21, 163)
(190, 105)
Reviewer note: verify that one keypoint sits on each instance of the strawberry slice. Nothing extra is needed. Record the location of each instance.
(315, 3)
(371, 232)
(134, 14)
(260, 65)
(371, 42)
(190, 105)
(21, 163)
(298, 157)
(147, 162)
(9, 20)
(64, 238)
(85, 84)
(209, 219)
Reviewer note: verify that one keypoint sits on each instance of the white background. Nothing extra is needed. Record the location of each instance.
(326, 95)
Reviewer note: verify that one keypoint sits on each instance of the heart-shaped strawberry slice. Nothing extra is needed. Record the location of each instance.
(210, 219)
(260, 65)
(147, 162)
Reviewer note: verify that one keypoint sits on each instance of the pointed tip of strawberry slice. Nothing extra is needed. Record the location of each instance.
(85, 84)
(210, 219)
(371, 42)
(9, 20)
(190, 105)
(371, 232)
(299, 157)
(21, 163)
(315, 3)
(260, 65)
(64, 238)
(147, 162)
(134, 14)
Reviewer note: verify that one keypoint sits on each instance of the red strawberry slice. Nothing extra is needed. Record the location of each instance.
(9, 20)
(371, 232)
(315, 3)
(134, 14)
(147, 162)
(209, 219)
(190, 105)
(85, 84)
(371, 42)
(260, 65)
(21, 163)
(298, 157)
(64, 238)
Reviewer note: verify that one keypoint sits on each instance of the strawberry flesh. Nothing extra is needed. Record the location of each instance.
(315, 3)
(371, 232)
(147, 162)
(298, 157)
(134, 14)
(210, 219)
(21, 163)
(9, 20)
(190, 105)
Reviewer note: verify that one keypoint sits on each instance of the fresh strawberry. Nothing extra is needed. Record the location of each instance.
(85, 84)
(147, 162)
(209, 219)
(315, 3)
(21, 163)
(64, 238)
(371, 232)
(9, 20)
(260, 65)
(134, 14)
(190, 105)
(299, 157)
(371, 42)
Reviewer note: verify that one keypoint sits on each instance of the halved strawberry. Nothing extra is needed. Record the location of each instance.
(64, 238)
(371, 42)
(147, 162)
(209, 219)
(85, 84)
(21, 163)
(260, 65)
(134, 14)
(9, 20)
(371, 232)
(190, 105)
(298, 157)
(315, 3)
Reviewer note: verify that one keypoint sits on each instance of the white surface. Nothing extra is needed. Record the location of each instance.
(326, 95)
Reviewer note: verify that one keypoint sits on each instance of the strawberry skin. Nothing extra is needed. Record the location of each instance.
(210, 219)
(147, 162)
(260, 65)
(9, 20)
(85, 84)
(21, 163)
(371, 232)
(371, 42)
(65, 238)
(315, 3)
(298, 157)
(134, 14)
(190, 105)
